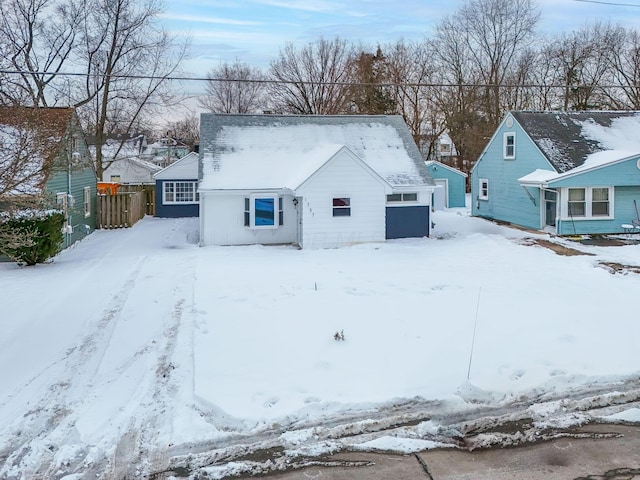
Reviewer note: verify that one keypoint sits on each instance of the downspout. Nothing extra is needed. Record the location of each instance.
(68, 233)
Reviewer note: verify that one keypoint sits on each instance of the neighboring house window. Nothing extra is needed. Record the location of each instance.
(445, 148)
(261, 211)
(115, 178)
(483, 192)
(599, 202)
(590, 202)
(180, 192)
(577, 202)
(402, 197)
(87, 201)
(61, 201)
(510, 145)
(342, 207)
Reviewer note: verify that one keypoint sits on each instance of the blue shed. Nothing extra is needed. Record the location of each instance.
(566, 173)
(452, 181)
(177, 188)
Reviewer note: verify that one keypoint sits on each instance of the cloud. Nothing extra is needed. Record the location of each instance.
(212, 20)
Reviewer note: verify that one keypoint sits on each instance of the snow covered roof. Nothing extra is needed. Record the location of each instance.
(30, 141)
(570, 139)
(279, 150)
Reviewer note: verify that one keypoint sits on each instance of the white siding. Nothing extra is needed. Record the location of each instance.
(129, 172)
(222, 221)
(343, 176)
(184, 169)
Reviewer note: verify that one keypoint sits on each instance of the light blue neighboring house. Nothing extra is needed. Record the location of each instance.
(453, 183)
(568, 173)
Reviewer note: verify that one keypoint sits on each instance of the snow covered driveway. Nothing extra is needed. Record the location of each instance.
(136, 348)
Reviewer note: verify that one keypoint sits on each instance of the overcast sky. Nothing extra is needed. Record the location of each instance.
(255, 30)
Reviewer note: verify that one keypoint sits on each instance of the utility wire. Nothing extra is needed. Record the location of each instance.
(613, 4)
(310, 82)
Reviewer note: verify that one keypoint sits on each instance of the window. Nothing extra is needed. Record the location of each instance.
(509, 145)
(180, 192)
(115, 178)
(589, 203)
(402, 197)
(87, 201)
(262, 211)
(61, 201)
(577, 202)
(483, 192)
(342, 207)
(600, 202)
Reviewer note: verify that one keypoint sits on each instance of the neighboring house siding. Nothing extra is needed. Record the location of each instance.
(507, 200)
(456, 183)
(343, 177)
(225, 221)
(624, 177)
(129, 172)
(185, 169)
(80, 179)
(173, 210)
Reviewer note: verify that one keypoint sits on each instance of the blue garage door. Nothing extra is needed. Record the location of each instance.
(407, 222)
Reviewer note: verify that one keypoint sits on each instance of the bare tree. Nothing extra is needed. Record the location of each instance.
(478, 49)
(186, 130)
(127, 58)
(37, 37)
(234, 88)
(579, 62)
(411, 69)
(313, 79)
(624, 61)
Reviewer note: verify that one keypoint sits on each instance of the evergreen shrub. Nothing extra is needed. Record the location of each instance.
(31, 236)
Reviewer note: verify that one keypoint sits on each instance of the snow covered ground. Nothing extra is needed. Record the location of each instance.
(136, 351)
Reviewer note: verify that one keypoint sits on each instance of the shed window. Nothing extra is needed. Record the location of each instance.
(510, 145)
(180, 192)
(342, 207)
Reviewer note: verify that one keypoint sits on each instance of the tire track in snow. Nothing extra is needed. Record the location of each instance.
(139, 451)
(52, 410)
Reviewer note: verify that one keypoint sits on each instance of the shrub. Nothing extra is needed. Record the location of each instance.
(31, 236)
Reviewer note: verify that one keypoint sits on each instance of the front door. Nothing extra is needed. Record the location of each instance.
(550, 207)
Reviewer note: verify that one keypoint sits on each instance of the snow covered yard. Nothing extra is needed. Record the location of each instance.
(136, 347)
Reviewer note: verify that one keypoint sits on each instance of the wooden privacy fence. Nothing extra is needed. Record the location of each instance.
(121, 210)
(149, 195)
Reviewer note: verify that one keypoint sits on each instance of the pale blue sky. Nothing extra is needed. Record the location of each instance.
(255, 30)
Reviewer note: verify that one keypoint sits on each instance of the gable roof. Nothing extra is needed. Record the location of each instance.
(568, 139)
(185, 168)
(30, 142)
(278, 145)
(445, 166)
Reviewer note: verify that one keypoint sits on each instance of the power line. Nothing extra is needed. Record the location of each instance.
(310, 82)
(613, 4)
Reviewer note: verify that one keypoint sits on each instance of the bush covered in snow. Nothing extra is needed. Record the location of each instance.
(31, 236)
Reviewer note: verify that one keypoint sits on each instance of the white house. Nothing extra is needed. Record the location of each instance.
(131, 170)
(315, 181)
